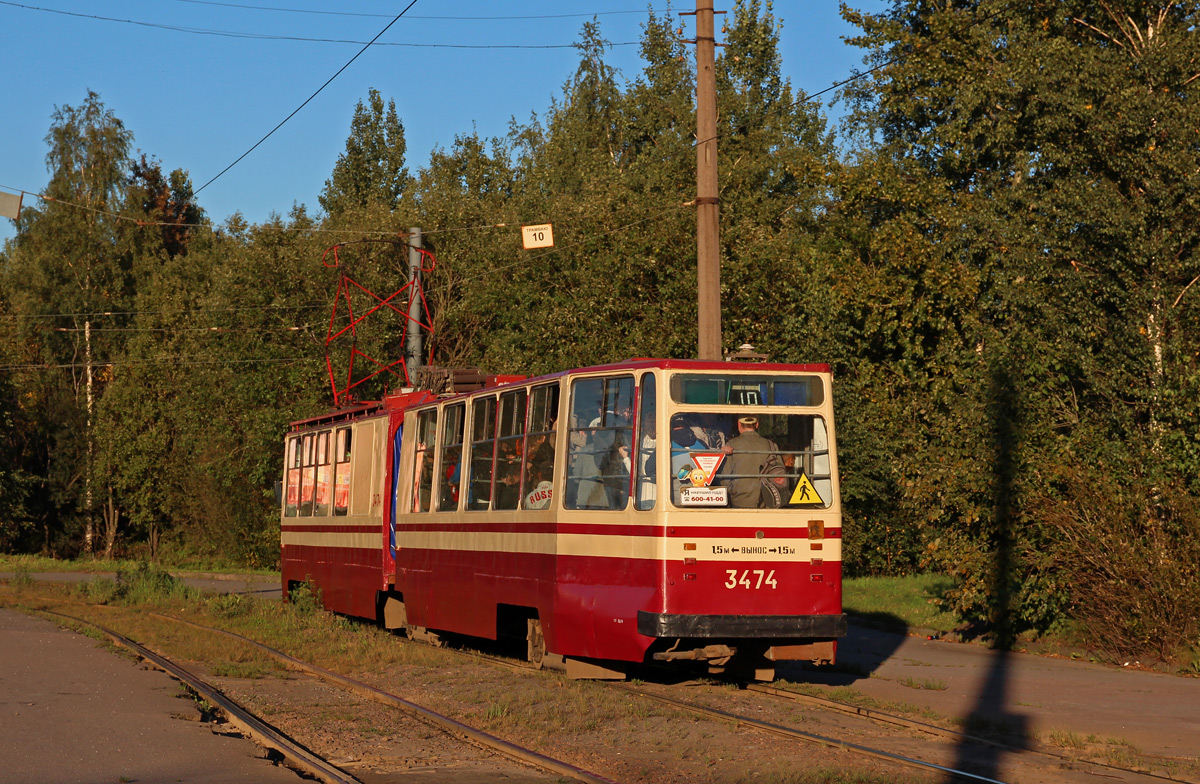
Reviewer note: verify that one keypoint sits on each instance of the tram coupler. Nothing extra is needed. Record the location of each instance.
(715, 655)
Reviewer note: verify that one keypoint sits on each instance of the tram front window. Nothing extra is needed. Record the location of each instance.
(750, 460)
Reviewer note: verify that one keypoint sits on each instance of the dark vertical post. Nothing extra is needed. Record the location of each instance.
(413, 347)
(708, 249)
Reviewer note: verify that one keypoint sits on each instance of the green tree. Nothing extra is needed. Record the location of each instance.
(68, 264)
(371, 170)
(776, 157)
(1046, 152)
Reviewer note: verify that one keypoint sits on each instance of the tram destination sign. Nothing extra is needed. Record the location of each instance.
(540, 236)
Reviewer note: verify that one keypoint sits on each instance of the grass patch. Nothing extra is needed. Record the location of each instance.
(246, 670)
(40, 563)
(141, 584)
(928, 685)
(897, 601)
(1065, 740)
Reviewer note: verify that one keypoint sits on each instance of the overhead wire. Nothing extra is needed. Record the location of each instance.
(184, 360)
(414, 16)
(306, 101)
(276, 37)
(97, 313)
(529, 260)
(804, 98)
(807, 97)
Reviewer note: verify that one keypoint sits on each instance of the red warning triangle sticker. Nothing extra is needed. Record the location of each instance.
(708, 462)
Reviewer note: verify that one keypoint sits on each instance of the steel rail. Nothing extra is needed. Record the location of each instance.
(873, 715)
(738, 720)
(456, 728)
(766, 726)
(250, 725)
(933, 729)
(795, 734)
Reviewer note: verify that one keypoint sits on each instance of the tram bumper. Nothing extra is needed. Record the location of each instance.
(773, 637)
(757, 627)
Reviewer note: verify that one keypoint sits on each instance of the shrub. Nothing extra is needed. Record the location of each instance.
(1130, 557)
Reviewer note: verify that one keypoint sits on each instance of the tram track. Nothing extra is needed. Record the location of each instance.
(296, 755)
(879, 717)
(445, 723)
(933, 729)
(760, 725)
(504, 747)
(253, 727)
(755, 724)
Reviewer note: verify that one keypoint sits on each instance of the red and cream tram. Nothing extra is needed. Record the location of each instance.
(651, 510)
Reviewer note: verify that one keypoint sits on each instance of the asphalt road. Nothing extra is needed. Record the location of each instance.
(1041, 695)
(71, 711)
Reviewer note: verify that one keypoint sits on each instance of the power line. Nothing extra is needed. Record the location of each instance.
(161, 360)
(178, 330)
(302, 39)
(804, 98)
(96, 314)
(385, 16)
(314, 95)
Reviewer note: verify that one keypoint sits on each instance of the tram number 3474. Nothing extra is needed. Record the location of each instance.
(751, 578)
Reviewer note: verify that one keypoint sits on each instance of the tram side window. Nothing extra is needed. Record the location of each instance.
(423, 460)
(600, 440)
(539, 453)
(308, 476)
(483, 446)
(450, 473)
(324, 489)
(647, 467)
(292, 494)
(341, 472)
(510, 446)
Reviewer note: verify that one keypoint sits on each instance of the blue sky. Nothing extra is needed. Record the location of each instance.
(198, 98)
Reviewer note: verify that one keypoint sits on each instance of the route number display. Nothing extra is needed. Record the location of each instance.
(540, 236)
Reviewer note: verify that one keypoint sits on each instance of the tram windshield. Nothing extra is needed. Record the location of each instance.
(750, 460)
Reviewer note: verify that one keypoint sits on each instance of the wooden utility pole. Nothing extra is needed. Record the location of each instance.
(708, 247)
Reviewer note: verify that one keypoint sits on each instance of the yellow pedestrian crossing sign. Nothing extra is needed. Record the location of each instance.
(805, 493)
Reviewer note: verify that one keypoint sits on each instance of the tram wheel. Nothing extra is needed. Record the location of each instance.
(536, 652)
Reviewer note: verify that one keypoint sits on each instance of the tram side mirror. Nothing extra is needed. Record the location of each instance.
(279, 492)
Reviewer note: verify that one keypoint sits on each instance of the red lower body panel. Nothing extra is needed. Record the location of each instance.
(589, 605)
(347, 577)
